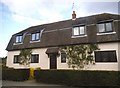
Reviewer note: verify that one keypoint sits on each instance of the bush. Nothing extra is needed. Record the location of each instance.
(78, 78)
(15, 74)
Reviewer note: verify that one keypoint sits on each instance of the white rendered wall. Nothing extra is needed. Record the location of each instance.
(99, 65)
(43, 59)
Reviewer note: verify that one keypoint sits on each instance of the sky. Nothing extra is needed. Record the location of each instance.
(17, 15)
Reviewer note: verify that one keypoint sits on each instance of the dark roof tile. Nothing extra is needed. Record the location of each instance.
(60, 33)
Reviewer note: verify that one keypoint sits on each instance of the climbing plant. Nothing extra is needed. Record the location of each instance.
(25, 56)
(80, 56)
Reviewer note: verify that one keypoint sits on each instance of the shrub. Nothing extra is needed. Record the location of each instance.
(15, 74)
(78, 78)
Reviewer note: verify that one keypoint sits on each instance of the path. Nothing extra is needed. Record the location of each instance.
(30, 84)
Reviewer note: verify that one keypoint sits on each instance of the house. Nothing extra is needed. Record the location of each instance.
(45, 40)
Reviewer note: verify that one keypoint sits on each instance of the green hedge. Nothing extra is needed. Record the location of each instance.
(78, 78)
(15, 74)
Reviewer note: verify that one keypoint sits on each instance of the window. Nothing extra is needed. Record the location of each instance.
(16, 59)
(35, 58)
(63, 57)
(105, 27)
(105, 56)
(35, 36)
(19, 39)
(77, 31)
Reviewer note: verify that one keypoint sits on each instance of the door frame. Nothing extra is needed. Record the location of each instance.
(53, 61)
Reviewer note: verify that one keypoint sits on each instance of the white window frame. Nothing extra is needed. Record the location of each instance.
(19, 39)
(36, 36)
(105, 31)
(79, 28)
(33, 60)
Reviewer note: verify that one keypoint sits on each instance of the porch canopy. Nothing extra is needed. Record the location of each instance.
(53, 50)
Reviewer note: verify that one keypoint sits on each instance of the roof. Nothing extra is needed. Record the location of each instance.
(59, 33)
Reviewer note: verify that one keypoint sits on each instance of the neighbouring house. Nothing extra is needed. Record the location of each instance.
(45, 41)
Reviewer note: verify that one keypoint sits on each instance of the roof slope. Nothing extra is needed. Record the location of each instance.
(59, 33)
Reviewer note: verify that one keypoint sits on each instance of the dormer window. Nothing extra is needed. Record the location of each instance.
(35, 36)
(19, 39)
(78, 31)
(104, 27)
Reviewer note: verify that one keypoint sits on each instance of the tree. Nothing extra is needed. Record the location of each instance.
(25, 56)
(80, 56)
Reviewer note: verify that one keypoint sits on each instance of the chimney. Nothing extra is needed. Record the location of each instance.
(73, 15)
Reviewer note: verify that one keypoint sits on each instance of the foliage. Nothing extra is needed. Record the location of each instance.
(4, 60)
(80, 56)
(25, 55)
(15, 74)
(78, 78)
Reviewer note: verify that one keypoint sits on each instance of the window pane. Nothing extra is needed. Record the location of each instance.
(20, 38)
(63, 58)
(113, 56)
(105, 56)
(37, 36)
(35, 58)
(76, 31)
(101, 28)
(97, 56)
(82, 30)
(17, 39)
(33, 36)
(108, 27)
(16, 59)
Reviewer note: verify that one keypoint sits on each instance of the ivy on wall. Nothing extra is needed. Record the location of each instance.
(80, 56)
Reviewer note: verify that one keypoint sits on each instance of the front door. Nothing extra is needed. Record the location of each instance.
(53, 61)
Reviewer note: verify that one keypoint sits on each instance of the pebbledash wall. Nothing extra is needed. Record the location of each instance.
(44, 60)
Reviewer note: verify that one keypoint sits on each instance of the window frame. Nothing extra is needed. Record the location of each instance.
(79, 30)
(100, 56)
(36, 36)
(105, 27)
(16, 59)
(19, 39)
(34, 60)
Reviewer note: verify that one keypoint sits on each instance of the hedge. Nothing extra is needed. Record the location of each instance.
(15, 74)
(78, 78)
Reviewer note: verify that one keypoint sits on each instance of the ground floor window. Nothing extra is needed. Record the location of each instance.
(105, 56)
(16, 59)
(63, 57)
(34, 58)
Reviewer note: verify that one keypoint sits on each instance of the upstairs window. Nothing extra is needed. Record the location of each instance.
(105, 27)
(79, 30)
(35, 58)
(35, 36)
(19, 39)
(105, 56)
(16, 59)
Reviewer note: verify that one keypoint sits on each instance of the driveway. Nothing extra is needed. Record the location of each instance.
(30, 84)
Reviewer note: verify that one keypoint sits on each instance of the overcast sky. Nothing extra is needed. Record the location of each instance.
(17, 15)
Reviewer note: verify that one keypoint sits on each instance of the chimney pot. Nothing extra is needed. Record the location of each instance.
(73, 15)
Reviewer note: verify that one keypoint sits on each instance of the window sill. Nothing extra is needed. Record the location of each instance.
(107, 33)
(34, 41)
(17, 43)
(78, 36)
